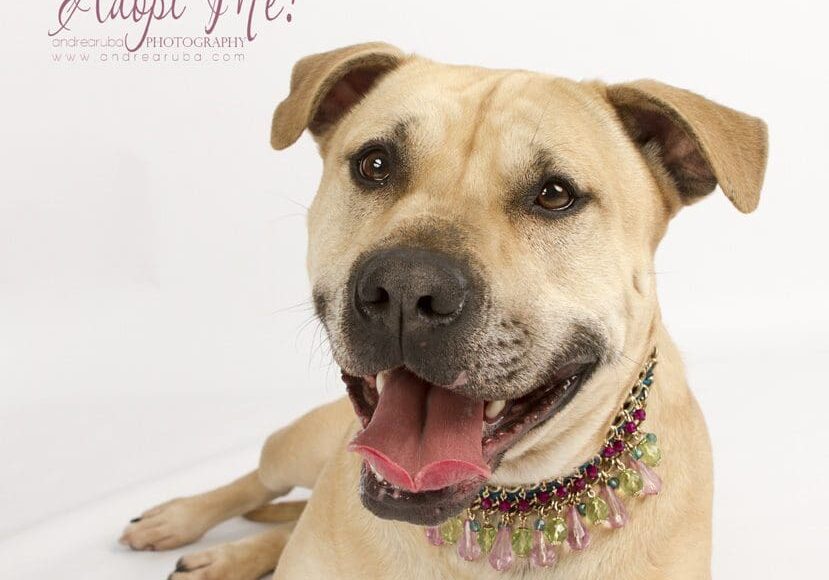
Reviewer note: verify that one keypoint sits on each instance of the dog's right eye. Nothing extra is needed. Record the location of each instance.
(374, 166)
(556, 195)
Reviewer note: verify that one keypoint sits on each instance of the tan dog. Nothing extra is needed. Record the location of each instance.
(486, 233)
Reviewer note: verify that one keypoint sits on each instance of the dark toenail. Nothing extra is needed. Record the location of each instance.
(135, 520)
(181, 566)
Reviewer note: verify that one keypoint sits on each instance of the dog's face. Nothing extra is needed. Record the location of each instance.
(481, 251)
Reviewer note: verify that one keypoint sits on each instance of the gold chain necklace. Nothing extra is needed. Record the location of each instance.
(559, 508)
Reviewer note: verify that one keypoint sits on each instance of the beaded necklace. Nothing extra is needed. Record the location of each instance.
(559, 509)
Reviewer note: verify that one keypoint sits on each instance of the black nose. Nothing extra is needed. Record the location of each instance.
(410, 291)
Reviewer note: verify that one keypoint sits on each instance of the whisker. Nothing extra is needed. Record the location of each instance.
(303, 305)
(293, 201)
(319, 343)
(540, 119)
(633, 362)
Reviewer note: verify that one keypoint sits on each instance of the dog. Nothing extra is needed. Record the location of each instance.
(481, 253)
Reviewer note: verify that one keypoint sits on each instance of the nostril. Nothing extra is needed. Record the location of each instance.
(437, 306)
(377, 295)
(424, 306)
(372, 300)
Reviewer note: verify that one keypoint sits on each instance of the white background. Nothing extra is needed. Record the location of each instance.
(154, 314)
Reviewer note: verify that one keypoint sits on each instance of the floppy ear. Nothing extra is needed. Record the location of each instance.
(697, 142)
(325, 86)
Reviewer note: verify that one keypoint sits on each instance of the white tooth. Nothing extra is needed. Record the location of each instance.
(381, 380)
(494, 408)
(377, 476)
(463, 379)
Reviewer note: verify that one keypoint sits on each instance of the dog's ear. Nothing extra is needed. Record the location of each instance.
(697, 142)
(325, 86)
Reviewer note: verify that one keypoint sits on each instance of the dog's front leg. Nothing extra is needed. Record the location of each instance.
(294, 456)
(184, 520)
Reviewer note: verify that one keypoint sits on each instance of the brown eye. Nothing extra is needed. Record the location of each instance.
(556, 195)
(375, 166)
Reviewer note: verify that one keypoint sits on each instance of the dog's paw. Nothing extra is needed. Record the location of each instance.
(167, 526)
(226, 562)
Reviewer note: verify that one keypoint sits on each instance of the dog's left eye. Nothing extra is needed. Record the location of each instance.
(556, 195)
(374, 165)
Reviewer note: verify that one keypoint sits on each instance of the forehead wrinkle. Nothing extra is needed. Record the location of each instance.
(554, 135)
(468, 147)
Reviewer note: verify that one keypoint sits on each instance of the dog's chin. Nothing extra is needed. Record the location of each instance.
(426, 508)
(499, 434)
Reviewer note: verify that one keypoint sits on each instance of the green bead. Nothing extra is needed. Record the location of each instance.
(486, 537)
(631, 482)
(582, 507)
(555, 531)
(451, 530)
(475, 525)
(636, 453)
(613, 482)
(597, 510)
(522, 542)
(651, 437)
(651, 453)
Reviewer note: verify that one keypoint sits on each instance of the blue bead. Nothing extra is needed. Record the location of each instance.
(540, 524)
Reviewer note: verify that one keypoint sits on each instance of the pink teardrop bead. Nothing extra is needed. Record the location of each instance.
(468, 547)
(652, 483)
(501, 556)
(543, 554)
(578, 538)
(433, 535)
(617, 514)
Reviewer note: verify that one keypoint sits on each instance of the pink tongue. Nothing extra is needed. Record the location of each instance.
(422, 437)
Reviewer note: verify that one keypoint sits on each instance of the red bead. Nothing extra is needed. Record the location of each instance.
(561, 492)
(639, 415)
(591, 471)
(504, 506)
(524, 505)
(608, 451)
(630, 427)
(618, 446)
(486, 503)
(543, 497)
(579, 484)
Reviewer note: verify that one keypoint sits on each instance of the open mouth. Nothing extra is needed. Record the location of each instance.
(427, 449)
